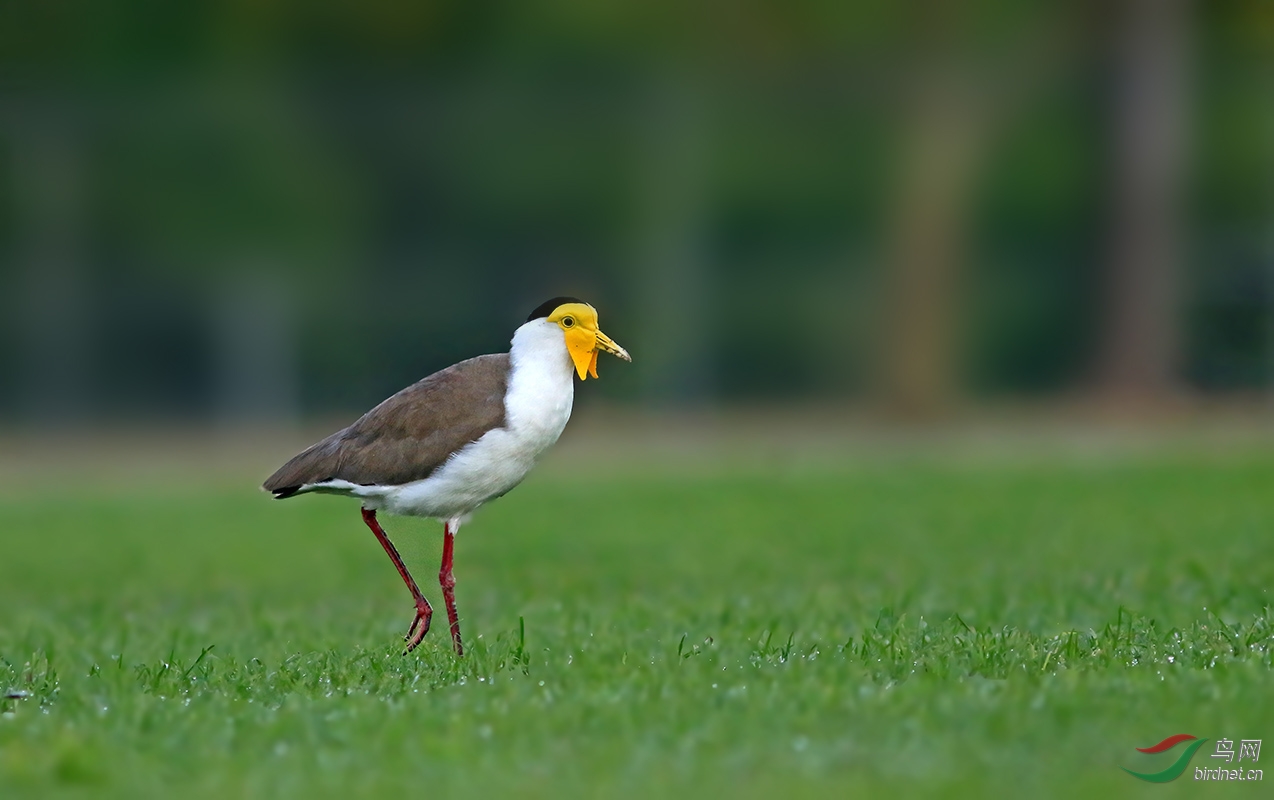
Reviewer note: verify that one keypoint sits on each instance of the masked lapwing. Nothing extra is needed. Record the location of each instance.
(444, 446)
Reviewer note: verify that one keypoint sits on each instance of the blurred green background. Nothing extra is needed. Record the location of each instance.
(942, 466)
(263, 211)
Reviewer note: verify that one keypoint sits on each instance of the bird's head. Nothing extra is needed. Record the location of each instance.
(578, 322)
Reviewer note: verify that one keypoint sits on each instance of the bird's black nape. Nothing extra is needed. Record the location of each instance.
(547, 307)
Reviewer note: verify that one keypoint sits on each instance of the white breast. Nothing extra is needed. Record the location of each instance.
(537, 407)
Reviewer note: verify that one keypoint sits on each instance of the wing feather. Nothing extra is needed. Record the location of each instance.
(408, 436)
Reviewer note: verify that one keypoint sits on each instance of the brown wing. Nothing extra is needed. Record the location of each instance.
(409, 435)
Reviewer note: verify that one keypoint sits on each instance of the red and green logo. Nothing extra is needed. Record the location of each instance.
(1179, 766)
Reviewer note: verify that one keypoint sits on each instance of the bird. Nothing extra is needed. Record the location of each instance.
(457, 439)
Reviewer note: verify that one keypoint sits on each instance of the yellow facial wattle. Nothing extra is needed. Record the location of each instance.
(584, 339)
(582, 345)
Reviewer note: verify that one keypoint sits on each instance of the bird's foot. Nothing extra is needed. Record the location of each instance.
(419, 627)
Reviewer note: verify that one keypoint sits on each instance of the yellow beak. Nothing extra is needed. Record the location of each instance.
(583, 345)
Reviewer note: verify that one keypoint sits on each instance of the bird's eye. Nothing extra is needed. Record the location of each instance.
(568, 322)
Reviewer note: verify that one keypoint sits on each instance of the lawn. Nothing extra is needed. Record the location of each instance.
(928, 625)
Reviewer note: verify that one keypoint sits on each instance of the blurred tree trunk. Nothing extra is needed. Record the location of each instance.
(53, 296)
(927, 241)
(1140, 337)
(674, 288)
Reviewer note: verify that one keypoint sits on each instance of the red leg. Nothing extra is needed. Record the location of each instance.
(448, 583)
(424, 612)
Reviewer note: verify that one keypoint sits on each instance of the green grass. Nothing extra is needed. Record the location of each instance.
(912, 628)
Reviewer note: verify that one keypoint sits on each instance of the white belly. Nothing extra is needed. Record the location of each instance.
(480, 472)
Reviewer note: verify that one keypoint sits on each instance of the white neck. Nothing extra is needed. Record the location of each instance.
(541, 381)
